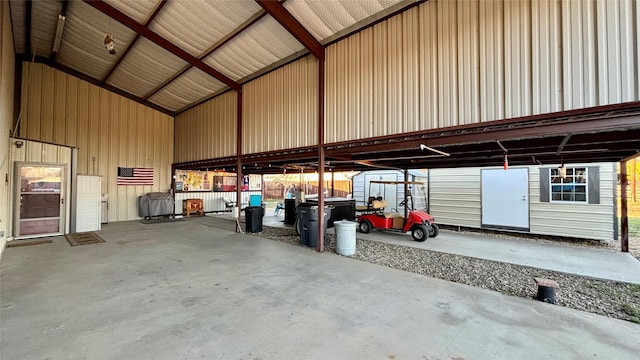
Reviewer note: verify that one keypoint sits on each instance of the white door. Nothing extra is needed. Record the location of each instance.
(88, 203)
(39, 205)
(505, 198)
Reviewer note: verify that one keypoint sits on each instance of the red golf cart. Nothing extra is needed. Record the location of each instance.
(375, 215)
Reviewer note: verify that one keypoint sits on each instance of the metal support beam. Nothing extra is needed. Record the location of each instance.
(624, 219)
(239, 159)
(278, 12)
(321, 155)
(562, 144)
(160, 41)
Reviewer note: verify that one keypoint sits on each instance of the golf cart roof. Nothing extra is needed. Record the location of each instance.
(387, 182)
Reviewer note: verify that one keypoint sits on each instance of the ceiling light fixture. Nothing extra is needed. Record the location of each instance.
(58, 38)
(109, 44)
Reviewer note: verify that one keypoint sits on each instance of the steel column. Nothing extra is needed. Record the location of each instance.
(238, 159)
(321, 154)
(624, 220)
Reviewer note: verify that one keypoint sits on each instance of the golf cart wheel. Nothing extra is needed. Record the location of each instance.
(435, 230)
(364, 226)
(420, 233)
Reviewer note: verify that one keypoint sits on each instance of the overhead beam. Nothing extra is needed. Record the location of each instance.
(492, 131)
(278, 12)
(27, 31)
(162, 42)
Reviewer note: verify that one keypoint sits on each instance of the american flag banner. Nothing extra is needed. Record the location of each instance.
(135, 176)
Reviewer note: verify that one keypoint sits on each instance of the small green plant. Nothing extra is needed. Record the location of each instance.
(632, 311)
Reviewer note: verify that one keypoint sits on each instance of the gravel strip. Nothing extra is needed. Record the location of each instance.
(609, 298)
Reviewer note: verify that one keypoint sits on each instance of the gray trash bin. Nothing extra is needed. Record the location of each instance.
(308, 224)
(345, 237)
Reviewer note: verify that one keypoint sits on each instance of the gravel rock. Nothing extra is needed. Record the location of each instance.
(609, 298)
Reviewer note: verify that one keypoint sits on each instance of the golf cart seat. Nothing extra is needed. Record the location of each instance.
(373, 204)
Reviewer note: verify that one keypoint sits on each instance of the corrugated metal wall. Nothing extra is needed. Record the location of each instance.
(454, 196)
(7, 78)
(448, 63)
(108, 130)
(591, 221)
(280, 109)
(208, 130)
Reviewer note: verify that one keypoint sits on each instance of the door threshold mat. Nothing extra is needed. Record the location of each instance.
(18, 243)
(84, 238)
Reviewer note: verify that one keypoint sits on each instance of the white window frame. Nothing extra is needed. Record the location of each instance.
(570, 180)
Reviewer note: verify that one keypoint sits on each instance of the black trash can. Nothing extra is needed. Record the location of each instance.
(289, 211)
(303, 216)
(308, 224)
(253, 218)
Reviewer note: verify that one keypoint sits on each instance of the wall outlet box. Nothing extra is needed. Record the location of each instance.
(1, 234)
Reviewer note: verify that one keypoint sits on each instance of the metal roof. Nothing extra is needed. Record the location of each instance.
(172, 55)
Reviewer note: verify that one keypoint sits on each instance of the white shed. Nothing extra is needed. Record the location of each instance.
(362, 189)
(533, 199)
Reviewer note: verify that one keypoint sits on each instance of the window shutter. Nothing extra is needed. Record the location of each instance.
(544, 184)
(594, 184)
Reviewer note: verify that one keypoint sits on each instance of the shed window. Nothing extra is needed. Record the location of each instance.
(573, 188)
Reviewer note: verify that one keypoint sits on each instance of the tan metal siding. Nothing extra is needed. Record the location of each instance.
(617, 55)
(468, 63)
(492, 61)
(480, 61)
(591, 221)
(454, 196)
(546, 45)
(517, 60)
(447, 63)
(207, 130)
(108, 129)
(280, 109)
(579, 56)
(428, 74)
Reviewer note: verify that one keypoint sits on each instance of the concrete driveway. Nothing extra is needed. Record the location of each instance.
(195, 290)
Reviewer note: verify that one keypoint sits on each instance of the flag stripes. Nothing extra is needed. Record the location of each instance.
(135, 176)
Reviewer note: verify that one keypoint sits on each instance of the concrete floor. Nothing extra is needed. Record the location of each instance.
(196, 290)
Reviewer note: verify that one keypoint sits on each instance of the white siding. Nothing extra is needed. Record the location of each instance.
(454, 196)
(590, 221)
(455, 199)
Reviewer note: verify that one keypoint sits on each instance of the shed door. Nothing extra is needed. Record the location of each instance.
(505, 198)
